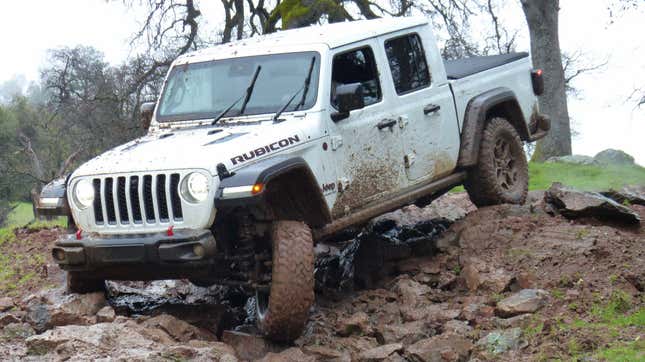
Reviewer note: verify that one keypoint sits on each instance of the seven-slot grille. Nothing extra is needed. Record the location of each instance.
(137, 199)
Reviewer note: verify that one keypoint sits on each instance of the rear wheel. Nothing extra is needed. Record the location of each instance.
(283, 308)
(501, 174)
(79, 283)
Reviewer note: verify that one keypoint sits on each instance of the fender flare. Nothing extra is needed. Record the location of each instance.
(475, 119)
(265, 172)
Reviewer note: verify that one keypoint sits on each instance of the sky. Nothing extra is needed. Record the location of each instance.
(602, 117)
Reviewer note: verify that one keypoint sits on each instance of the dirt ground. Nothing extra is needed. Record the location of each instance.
(503, 283)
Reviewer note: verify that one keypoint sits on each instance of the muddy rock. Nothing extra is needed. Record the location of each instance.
(56, 309)
(406, 333)
(631, 195)
(380, 353)
(457, 327)
(475, 311)
(445, 347)
(323, 353)
(500, 341)
(8, 318)
(288, 355)
(355, 324)
(17, 331)
(178, 329)
(432, 313)
(6, 303)
(201, 351)
(524, 301)
(410, 291)
(572, 203)
(495, 281)
(105, 314)
(613, 157)
(524, 280)
(521, 321)
(248, 346)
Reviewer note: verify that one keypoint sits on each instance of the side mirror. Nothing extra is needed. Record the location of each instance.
(146, 110)
(348, 98)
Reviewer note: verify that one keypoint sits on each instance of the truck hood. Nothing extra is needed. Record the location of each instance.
(197, 148)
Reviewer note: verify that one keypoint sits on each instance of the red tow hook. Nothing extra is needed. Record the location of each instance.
(169, 232)
(79, 234)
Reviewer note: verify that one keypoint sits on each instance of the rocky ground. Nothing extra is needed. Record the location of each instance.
(555, 279)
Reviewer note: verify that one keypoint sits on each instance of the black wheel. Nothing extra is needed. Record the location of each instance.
(283, 309)
(501, 174)
(79, 283)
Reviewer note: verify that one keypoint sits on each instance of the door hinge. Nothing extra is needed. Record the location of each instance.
(336, 142)
(408, 159)
(403, 121)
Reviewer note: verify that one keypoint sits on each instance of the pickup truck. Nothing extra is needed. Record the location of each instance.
(258, 149)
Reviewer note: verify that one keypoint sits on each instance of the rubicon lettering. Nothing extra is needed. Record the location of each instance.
(265, 149)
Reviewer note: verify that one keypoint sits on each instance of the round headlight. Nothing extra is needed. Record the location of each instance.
(196, 187)
(84, 194)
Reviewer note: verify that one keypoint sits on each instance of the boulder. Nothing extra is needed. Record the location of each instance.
(500, 341)
(524, 301)
(613, 157)
(380, 353)
(323, 353)
(572, 203)
(444, 347)
(574, 159)
(6, 303)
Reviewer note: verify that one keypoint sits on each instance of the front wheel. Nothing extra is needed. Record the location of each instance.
(283, 309)
(501, 174)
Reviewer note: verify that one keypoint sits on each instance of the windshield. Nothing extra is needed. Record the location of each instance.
(203, 90)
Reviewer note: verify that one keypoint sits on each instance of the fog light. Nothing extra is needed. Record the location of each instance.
(58, 254)
(199, 250)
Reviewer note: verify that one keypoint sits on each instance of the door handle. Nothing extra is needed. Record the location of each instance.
(386, 123)
(431, 108)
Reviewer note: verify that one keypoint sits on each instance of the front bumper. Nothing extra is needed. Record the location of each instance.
(186, 254)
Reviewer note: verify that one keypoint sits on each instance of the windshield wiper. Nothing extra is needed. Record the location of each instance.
(304, 89)
(246, 96)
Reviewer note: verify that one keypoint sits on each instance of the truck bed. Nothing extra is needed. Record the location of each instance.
(460, 68)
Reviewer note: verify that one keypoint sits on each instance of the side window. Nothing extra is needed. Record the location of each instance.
(356, 66)
(407, 63)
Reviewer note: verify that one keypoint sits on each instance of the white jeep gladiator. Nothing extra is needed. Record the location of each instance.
(259, 148)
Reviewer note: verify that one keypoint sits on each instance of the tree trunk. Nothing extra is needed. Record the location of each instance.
(542, 19)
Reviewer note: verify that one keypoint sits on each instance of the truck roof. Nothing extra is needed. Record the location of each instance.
(332, 35)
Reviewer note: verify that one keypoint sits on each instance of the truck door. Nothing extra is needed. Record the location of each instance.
(423, 105)
(366, 145)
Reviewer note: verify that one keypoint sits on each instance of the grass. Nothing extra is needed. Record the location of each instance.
(21, 215)
(596, 178)
(542, 175)
(608, 320)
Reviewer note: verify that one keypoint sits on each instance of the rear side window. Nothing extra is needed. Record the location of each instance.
(356, 66)
(407, 63)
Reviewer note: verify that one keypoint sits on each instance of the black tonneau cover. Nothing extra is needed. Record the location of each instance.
(460, 68)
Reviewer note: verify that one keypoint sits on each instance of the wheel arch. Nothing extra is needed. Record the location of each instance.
(290, 191)
(497, 102)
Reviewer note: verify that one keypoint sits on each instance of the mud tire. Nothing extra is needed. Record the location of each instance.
(501, 174)
(283, 313)
(78, 283)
